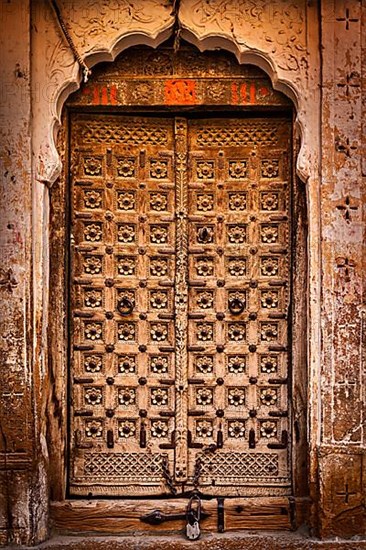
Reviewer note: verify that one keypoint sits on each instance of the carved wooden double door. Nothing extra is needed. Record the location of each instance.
(180, 289)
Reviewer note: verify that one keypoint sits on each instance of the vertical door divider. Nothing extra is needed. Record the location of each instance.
(181, 298)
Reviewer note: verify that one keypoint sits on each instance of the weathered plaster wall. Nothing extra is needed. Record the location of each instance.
(341, 453)
(314, 52)
(19, 467)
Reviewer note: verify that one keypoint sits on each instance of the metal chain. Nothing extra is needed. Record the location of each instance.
(197, 474)
(167, 475)
(77, 56)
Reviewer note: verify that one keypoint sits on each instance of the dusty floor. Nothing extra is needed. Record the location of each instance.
(227, 541)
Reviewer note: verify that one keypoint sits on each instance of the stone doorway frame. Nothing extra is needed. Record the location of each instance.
(64, 511)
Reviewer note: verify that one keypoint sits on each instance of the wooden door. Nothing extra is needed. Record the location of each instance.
(180, 288)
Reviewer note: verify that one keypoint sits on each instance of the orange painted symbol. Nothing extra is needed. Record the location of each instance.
(180, 92)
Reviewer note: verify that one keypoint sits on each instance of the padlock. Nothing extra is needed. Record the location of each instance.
(193, 531)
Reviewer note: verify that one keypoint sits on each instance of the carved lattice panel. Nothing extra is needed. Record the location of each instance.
(239, 245)
(122, 296)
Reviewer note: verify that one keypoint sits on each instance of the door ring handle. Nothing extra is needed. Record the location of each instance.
(125, 306)
(236, 306)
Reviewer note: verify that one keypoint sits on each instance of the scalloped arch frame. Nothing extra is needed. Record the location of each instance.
(56, 71)
(63, 76)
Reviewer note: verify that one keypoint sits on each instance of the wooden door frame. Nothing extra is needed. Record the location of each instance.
(290, 511)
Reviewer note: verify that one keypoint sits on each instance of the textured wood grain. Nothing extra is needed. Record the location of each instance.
(118, 516)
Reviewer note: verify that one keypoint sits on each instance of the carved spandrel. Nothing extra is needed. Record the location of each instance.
(239, 19)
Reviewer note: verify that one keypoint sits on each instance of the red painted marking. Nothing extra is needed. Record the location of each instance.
(243, 93)
(263, 91)
(180, 92)
(95, 95)
(104, 95)
(252, 93)
(234, 93)
(113, 94)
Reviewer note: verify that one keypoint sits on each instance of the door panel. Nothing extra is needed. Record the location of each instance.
(122, 300)
(180, 291)
(238, 305)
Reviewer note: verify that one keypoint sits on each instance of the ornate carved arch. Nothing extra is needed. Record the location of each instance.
(284, 56)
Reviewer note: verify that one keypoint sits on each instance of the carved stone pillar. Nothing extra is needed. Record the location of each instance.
(341, 454)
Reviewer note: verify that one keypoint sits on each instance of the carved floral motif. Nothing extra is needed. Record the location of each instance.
(237, 234)
(268, 429)
(159, 428)
(269, 234)
(237, 201)
(93, 428)
(93, 396)
(238, 169)
(269, 201)
(158, 201)
(126, 396)
(236, 364)
(159, 299)
(126, 233)
(159, 331)
(269, 332)
(236, 331)
(93, 298)
(93, 232)
(205, 170)
(126, 428)
(269, 299)
(204, 267)
(126, 331)
(158, 234)
(93, 363)
(268, 396)
(204, 331)
(269, 168)
(126, 200)
(269, 267)
(92, 166)
(205, 202)
(92, 199)
(159, 364)
(158, 169)
(204, 396)
(159, 396)
(236, 429)
(126, 265)
(92, 265)
(204, 428)
(126, 167)
(204, 364)
(205, 299)
(269, 363)
(250, 21)
(93, 331)
(126, 364)
(237, 266)
(158, 267)
(236, 397)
